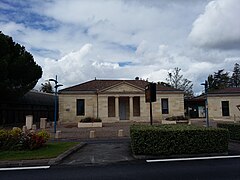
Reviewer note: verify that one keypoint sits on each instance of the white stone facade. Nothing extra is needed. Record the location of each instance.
(215, 108)
(96, 104)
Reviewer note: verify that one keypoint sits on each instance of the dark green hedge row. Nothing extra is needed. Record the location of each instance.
(234, 129)
(177, 139)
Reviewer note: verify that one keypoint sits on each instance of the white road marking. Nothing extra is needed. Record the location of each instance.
(24, 168)
(192, 159)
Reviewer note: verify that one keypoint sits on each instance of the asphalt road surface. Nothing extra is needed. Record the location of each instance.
(196, 169)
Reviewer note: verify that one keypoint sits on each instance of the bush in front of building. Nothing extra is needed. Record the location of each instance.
(90, 120)
(177, 140)
(234, 129)
(17, 140)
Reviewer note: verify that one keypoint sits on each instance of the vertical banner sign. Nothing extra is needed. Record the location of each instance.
(150, 96)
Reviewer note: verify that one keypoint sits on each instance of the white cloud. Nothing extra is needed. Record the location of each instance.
(79, 66)
(80, 40)
(218, 26)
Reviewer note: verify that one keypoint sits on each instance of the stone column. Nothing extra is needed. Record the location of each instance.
(117, 107)
(130, 108)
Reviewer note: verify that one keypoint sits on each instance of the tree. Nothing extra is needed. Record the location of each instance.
(235, 78)
(47, 87)
(219, 80)
(19, 73)
(176, 80)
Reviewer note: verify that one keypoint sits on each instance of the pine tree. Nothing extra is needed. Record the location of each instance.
(18, 71)
(219, 80)
(235, 78)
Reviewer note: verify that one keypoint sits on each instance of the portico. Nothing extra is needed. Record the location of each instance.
(123, 107)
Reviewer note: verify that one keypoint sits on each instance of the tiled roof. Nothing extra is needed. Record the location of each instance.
(233, 90)
(95, 85)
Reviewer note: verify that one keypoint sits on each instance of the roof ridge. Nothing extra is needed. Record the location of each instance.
(101, 84)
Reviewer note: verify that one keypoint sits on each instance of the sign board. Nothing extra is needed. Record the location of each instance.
(150, 92)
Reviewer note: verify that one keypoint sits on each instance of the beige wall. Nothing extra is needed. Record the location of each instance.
(215, 106)
(67, 107)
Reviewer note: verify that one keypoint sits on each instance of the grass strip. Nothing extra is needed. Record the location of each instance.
(50, 150)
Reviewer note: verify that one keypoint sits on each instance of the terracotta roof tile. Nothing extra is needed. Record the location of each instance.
(95, 85)
(233, 90)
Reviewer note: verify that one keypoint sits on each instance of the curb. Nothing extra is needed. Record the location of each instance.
(62, 156)
(145, 157)
(40, 162)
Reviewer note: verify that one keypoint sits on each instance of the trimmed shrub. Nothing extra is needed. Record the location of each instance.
(234, 129)
(32, 141)
(177, 140)
(17, 140)
(90, 120)
(3, 138)
(44, 134)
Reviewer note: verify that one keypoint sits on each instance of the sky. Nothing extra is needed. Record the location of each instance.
(80, 40)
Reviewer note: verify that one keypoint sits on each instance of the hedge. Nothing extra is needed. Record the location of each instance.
(234, 129)
(177, 140)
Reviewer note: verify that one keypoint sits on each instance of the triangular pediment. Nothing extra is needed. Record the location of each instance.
(123, 87)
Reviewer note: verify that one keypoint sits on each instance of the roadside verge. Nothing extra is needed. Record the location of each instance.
(41, 162)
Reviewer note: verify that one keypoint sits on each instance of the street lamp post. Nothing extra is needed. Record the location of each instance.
(55, 103)
(206, 102)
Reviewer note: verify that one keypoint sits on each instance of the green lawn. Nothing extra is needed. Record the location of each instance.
(51, 150)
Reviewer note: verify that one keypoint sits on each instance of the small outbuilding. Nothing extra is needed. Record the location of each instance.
(222, 104)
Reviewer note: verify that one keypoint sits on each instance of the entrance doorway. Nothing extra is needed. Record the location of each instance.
(124, 108)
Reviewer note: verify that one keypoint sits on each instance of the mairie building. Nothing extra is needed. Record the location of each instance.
(118, 101)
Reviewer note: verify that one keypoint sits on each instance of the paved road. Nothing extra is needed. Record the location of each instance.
(104, 152)
(199, 169)
(100, 153)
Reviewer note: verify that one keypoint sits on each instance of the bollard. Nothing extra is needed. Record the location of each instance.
(34, 127)
(24, 129)
(58, 134)
(120, 133)
(92, 134)
(43, 123)
(29, 121)
(48, 125)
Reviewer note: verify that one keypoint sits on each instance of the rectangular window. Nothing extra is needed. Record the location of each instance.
(225, 108)
(80, 107)
(111, 106)
(164, 103)
(136, 106)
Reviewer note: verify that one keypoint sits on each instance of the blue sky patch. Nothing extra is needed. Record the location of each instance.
(126, 63)
(21, 13)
